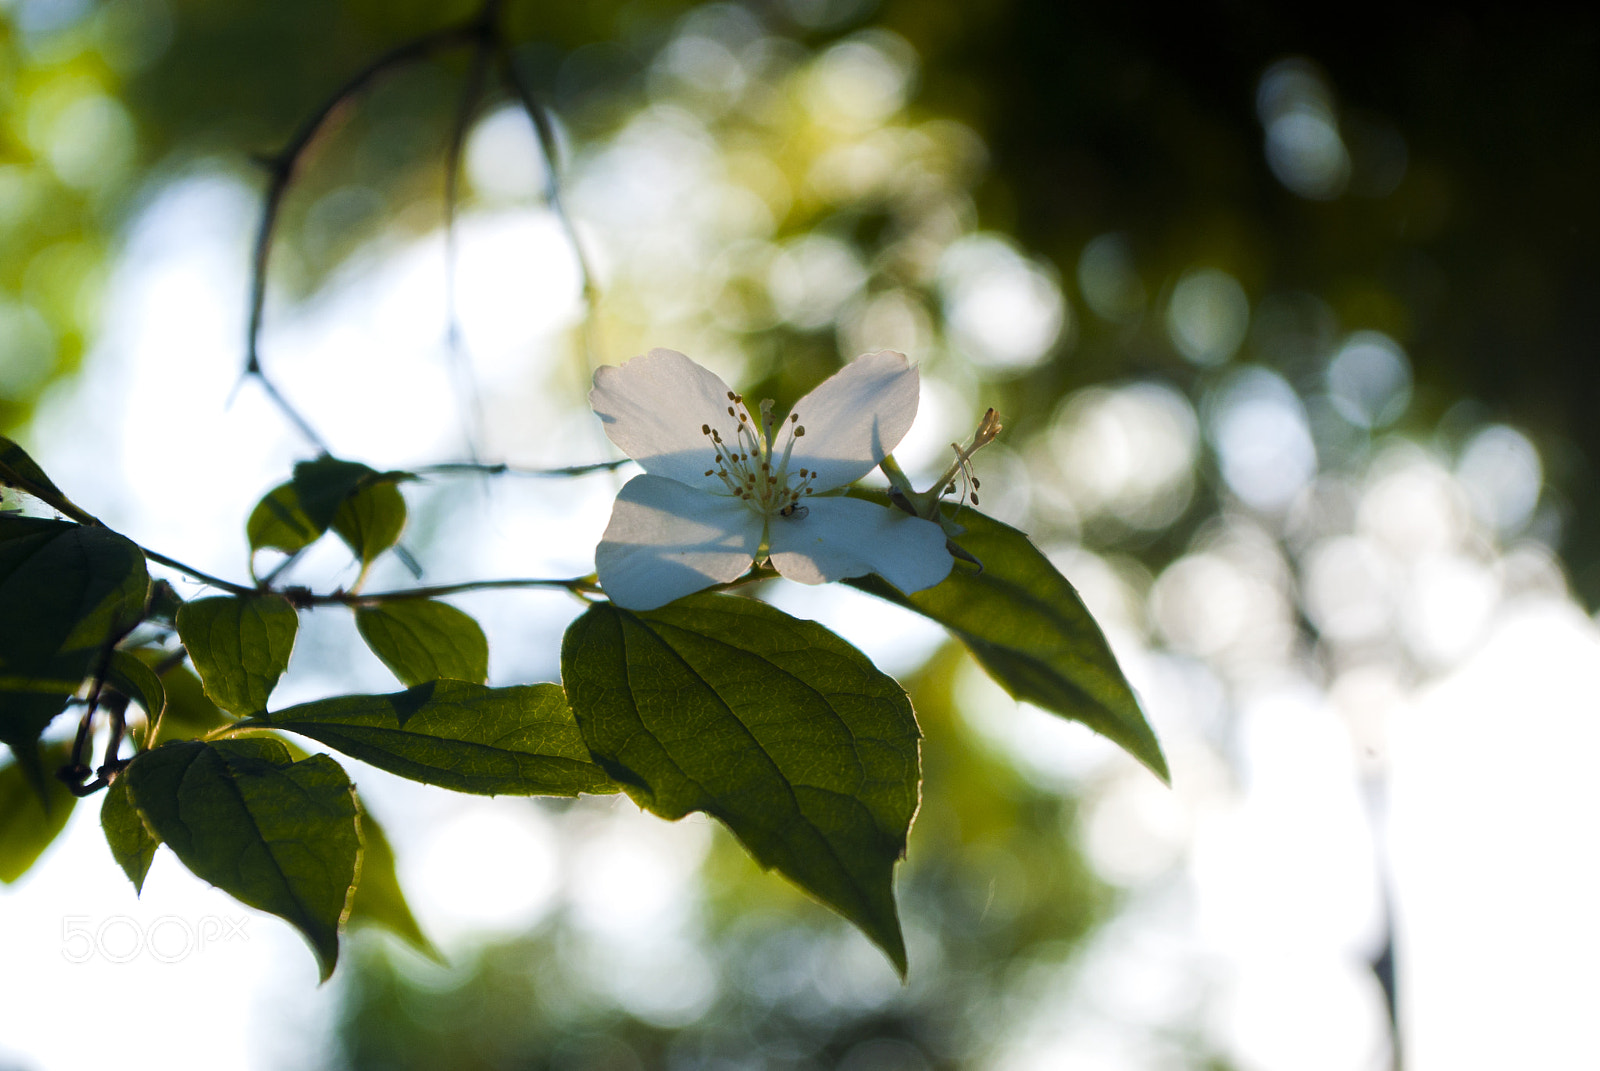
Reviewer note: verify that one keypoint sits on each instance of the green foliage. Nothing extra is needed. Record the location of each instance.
(276, 834)
(136, 680)
(1026, 624)
(240, 645)
(491, 741)
(773, 725)
(69, 592)
(423, 640)
(29, 821)
(363, 506)
(190, 712)
(132, 845)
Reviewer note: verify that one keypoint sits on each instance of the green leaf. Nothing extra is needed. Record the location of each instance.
(422, 640)
(19, 470)
(67, 591)
(774, 725)
(519, 741)
(28, 823)
(131, 844)
(321, 486)
(190, 712)
(1026, 625)
(278, 835)
(280, 523)
(240, 646)
(136, 680)
(370, 520)
(358, 502)
(379, 900)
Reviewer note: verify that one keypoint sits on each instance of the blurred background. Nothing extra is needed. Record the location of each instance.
(1292, 318)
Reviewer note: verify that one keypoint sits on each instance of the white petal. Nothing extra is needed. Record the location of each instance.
(654, 406)
(667, 540)
(853, 418)
(839, 537)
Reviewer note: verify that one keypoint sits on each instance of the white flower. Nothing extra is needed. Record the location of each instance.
(725, 486)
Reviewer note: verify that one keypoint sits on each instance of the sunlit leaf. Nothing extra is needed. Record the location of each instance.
(422, 640)
(371, 519)
(28, 823)
(240, 646)
(67, 591)
(519, 741)
(774, 725)
(276, 834)
(131, 844)
(1026, 625)
(279, 522)
(379, 900)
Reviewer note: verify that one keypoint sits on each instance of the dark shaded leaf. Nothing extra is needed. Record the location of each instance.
(131, 844)
(28, 823)
(275, 834)
(371, 519)
(19, 470)
(519, 741)
(67, 591)
(321, 487)
(1026, 625)
(422, 640)
(240, 646)
(379, 900)
(774, 725)
(136, 680)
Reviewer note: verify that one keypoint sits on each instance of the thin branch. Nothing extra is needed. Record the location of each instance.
(304, 598)
(547, 146)
(205, 578)
(466, 468)
(578, 585)
(460, 365)
(282, 165)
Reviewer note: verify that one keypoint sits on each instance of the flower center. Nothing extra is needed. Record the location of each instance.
(748, 468)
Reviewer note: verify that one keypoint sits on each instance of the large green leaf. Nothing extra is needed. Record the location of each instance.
(240, 646)
(66, 592)
(1026, 625)
(28, 823)
(774, 725)
(278, 835)
(131, 844)
(422, 640)
(519, 741)
(322, 485)
(379, 900)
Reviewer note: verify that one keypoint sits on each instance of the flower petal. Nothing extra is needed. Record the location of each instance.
(853, 418)
(839, 537)
(654, 406)
(667, 540)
